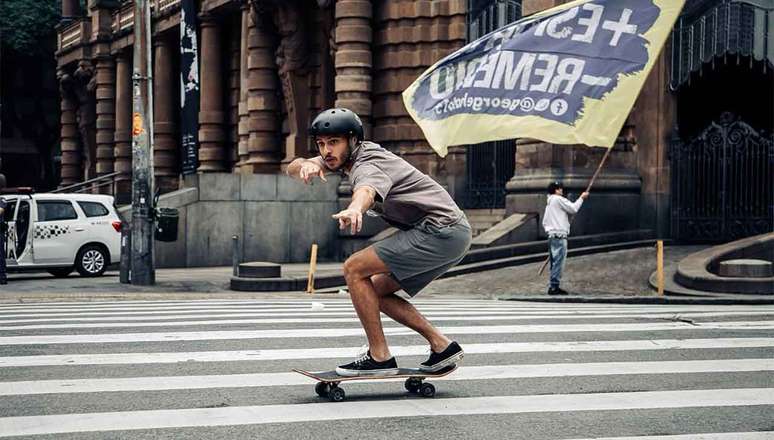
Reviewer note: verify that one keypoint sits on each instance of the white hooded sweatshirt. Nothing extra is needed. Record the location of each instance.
(558, 209)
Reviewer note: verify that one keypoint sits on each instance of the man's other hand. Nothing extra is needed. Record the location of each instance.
(585, 195)
(351, 218)
(309, 170)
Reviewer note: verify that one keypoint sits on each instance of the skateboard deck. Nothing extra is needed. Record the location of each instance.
(328, 381)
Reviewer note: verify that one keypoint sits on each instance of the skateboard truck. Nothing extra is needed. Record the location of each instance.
(328, 381)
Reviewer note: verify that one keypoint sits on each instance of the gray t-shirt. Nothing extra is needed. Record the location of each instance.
(404, 195)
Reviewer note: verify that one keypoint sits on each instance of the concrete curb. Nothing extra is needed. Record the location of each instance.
(641, 300)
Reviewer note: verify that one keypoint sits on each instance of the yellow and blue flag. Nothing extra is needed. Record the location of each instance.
(567, 75)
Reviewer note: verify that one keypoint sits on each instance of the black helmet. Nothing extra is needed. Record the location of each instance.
(553, 186)
(337, 121)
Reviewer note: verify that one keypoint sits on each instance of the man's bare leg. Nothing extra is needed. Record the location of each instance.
(405, 313)
(358, 270)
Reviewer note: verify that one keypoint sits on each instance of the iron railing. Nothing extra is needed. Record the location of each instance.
(91, 184)
(722, 186)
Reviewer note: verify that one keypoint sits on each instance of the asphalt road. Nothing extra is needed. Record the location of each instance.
(220, 369)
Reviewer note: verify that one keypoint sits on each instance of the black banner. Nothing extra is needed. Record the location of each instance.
(189, 88)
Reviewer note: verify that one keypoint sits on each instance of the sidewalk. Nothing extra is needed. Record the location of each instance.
(611, 275)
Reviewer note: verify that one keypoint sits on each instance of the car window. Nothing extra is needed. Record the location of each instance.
(93, 209)
(9, 210)
(50, 210)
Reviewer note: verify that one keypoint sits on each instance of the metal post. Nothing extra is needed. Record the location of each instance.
(235, 259)
(312, 269)
(142, 148)
(124, 275)
(660, 266)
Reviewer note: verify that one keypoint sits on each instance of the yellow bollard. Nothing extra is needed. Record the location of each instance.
(660, 266)
(312, 269)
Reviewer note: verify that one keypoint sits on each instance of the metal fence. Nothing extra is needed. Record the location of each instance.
(723, 183)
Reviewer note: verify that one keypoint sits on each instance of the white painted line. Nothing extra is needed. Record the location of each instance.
(251, 415)
(205, 310)
(306, 309)
(346, 332)
(35, 311)
(320, 298)
(486, 372)
(473, 316)
(299, 306)
(346, 352)
(436, 316)
(764, 435)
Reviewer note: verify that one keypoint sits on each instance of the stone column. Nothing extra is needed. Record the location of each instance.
(123, 134)
(243, 130)
(106, 107)
(165, 146)
(353, 58)
(101, 15)
(211, 134)
(263, 145)
(71, 155)
(653, 120)
(233, 94)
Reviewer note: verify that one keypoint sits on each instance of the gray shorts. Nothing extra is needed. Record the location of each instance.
(418, 256)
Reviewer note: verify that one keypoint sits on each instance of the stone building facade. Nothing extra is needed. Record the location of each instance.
(268, 66)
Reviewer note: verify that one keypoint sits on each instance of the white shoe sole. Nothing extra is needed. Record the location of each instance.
(443, 364)
(356, 373)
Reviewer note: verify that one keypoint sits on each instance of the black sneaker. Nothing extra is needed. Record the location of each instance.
(439, 361)
(365, 365)
(556, 291)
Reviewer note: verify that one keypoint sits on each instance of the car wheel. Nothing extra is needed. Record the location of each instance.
(91, 261)
(60, 272)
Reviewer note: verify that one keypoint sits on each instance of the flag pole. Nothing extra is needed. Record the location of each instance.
(588, 188)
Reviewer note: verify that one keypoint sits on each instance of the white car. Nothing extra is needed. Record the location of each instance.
(62, 232)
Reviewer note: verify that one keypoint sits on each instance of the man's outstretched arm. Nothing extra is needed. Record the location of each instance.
(362, 199)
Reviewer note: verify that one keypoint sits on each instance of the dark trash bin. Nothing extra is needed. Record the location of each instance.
(166, 224)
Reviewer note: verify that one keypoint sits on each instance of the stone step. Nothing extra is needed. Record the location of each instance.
(476, 261)
(745, 268)
(260, 269)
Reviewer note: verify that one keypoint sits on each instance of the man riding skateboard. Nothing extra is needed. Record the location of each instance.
(434, 235)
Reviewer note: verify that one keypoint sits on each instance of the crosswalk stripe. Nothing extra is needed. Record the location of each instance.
(318, 298)
(767, 435)
(347, 319)
(494, 305)
(486, 372)
(262, 414)
(346, 352)
(344, 332)
(299, 306)
(326, 299)
(448, 316)
(4, 317)
(342, 308)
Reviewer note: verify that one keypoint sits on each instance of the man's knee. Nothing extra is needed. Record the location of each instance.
(352, 269)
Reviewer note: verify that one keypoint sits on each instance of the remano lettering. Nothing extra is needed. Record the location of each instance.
(552, 61)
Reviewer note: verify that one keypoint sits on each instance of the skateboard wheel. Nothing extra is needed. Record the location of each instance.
(427, 390)
(321, 389)
(336, 394)
(413, 384)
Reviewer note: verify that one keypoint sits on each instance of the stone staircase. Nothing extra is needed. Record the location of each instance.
(483, 219)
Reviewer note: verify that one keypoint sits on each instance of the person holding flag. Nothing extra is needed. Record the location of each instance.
(433, 236)
(556, 223)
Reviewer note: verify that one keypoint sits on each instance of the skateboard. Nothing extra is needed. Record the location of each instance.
(328, 381)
